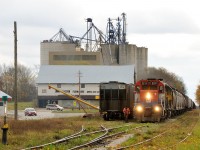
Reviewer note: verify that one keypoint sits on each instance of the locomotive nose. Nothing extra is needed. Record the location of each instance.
(148, 96)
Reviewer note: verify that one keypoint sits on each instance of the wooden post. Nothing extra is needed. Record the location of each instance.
(15, 64)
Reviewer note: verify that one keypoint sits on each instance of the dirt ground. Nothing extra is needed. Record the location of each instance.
(113, 143)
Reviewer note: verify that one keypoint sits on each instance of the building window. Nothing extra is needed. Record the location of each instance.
(94, 91)
(81, 91)
(44, 91)
(1, 103)
(59, 57)
(56, 91)
(89, 57)
(82, 85)
(67, 91)
(74, 57)
(75, 91)
(89, 91)
(59, 85)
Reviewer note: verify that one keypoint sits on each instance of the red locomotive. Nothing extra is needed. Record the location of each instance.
(156, 100)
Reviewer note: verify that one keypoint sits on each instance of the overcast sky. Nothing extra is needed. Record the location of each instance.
(170, 29)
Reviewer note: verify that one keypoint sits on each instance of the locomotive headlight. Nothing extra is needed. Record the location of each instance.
(148, 96)
(139, 108)
(157, 108)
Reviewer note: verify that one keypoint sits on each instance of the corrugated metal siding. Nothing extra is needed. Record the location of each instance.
(89, 74)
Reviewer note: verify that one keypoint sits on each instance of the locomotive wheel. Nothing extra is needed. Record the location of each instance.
(169, 114)
(165, 114)
(158, 119)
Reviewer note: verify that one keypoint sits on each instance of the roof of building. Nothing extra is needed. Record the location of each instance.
(89, 73)
(4, 94)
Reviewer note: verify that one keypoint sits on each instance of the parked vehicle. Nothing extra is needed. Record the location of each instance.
(30, 112)
(54, 107)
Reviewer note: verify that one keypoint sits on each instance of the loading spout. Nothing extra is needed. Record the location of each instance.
(74, 97)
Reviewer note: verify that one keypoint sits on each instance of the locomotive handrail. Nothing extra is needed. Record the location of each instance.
(74, 97)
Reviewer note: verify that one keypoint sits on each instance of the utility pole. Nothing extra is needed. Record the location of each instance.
(79, 85)
(15, 64)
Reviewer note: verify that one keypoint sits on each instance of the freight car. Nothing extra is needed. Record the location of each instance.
(114, 96)
(190, 104)
(156, 100)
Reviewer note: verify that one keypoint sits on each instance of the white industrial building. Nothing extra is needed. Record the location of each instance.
(70, 78)
(89, 60)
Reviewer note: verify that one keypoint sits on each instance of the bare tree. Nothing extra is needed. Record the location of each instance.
(26, 82)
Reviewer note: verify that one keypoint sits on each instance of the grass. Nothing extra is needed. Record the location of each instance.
(174, 136)
(67, 110)
(27, 133)
(21, 105)
(193, 141)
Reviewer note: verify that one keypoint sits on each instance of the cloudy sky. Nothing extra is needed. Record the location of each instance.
(170, 29)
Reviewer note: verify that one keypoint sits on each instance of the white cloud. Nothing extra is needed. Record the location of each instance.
(162, 21)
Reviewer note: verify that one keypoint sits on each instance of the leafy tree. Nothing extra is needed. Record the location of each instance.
(26, 82)
(197, 94)
(170, 78)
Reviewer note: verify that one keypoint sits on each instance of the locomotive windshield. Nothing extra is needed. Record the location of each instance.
(150, 85)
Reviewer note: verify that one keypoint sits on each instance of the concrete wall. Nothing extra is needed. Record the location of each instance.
(141, 62)
(131, 54)
(74, 61)
(110, 54)
(46, 47)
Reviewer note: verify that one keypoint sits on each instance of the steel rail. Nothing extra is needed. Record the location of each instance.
(189, 134)
(57, 141)
(92, 141)
(142, 141)
(79, 134)
(103, 136)
(154, 137)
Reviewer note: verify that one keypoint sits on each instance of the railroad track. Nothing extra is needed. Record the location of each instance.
(100, 136)
(167, 133)
(81, 133)
(189, 133)
(57, 141)
(103, 137)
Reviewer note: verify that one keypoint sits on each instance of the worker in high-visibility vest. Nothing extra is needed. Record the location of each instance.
(126, 112)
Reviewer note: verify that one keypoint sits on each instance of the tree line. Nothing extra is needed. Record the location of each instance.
(170, 78)
(26, 83)
(197, 94)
